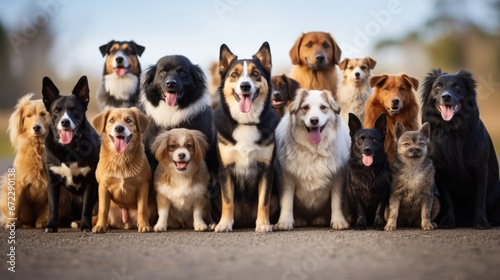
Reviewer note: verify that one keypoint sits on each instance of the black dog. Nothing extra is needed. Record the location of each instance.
(369, 173)
(174, 95)
(466, 165)
(71, 150)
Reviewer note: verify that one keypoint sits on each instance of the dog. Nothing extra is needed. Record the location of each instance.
(181, 180)
(369, 178)
(466, 164)
(413, 201)
(174, 95)
(245, 125)
(27, 128)
(71, 150)
(354, 89)
(214, 83)
(284, 89)
(315, 57)
(122, 70)
(395, 96)
(123, 172)
(313, 152)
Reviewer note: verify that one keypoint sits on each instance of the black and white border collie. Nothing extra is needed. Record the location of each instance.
(122, 70)
(71, 150)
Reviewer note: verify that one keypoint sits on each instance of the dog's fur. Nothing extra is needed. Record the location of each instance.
(354, 89)
(120, 84)
(245, 125)
(395, 96)
(214, 83)
(28, 126)
(181, 180)
(413, 201)
(369, 176)
(466, 163)
(123, 172)
(284, 89)
(174, 95)
(71, 150)
(315, 57)
(313, 152)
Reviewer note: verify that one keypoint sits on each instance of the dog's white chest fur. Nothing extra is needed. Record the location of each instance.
(68, 172)
(121, 87)
(183, 194)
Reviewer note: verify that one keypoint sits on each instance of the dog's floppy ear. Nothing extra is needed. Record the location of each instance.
(49, 92)
(160, 145)
(354, 124)
(301, 93)
(381, 123)
(469, 80)
(371, 62)
(343, 64)
(426, 130)
(377, 80)
(428, 83)
(292, 86)
(295, 50)
(200, 144)
(198, 76)
(137, 48)
(81, 90)
(225, 58)
(333, 104)
(264, 56)
(99, 121)
(413, 82)
(399, 129)
(147, 78)
(105, 48)
(16, 120)
(337, 53)
(142, 121)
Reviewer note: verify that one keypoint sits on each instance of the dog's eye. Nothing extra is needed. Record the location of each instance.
(234, 74)
(74, 110)
(309, 45)
(162, 72)
(57, 110)
(363, 68)
(29, 116)
(171, 147)
(386, 88)
(189, 146)
(182, 72)
(322, 107)
(351, 67)
(374, 140)
(43, 114)
(282, 86)
(255, 73)
(422, 144)
(305, 108)
(406, 145)
(402, 89)
(438, 86)
(128, 121)
(111, 120)
(326, 45)
(455, 85)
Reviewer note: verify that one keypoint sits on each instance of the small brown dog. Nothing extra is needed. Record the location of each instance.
(284, 89)
(123, 172)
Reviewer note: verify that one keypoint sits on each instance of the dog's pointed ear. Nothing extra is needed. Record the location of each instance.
(413, 82)
(99, 121)
(264, 56)
(49, 92)
(381, 123)
(354, 124)
(343, 64)
(333, 104)
(225, 58)
(141, 121)
(295, 50)
(138, 48)
(337, 52)
(81, 90)
(377, 80)
(428, 83)
(371, 62)
(160, 145)
(301, 93)
(104, 49)
(426, 130)
(292, 85)
(399, 129)
(200, 144)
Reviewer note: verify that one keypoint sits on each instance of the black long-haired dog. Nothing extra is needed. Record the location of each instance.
(466, 165)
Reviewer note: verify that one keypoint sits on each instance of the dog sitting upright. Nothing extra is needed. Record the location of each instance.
(413, 201)
(369, 173)
(71, 150)
(122, 70)
(284, 90)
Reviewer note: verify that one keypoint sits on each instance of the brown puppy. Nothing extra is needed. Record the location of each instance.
(395, 96)
(315, 56)
(284, 89)
(123, 172)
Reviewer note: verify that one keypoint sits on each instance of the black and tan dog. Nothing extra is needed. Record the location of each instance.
(284, 90)
(245, 126)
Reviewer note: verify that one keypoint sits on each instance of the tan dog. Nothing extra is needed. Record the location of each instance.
(123, 172)
(181, 180)
(315, 56)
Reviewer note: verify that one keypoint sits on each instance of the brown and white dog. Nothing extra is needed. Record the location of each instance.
(354, 89)
(284, 89)
(315, 57)
(181, 180)
(122, 70)
(123, 172)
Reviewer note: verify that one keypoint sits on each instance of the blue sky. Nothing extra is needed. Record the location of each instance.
(196, 29)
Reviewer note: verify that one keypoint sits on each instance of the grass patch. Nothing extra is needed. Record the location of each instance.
(6, 150)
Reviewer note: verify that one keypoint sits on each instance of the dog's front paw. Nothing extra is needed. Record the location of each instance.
(144, 228)
(160, 227)
(99, 229)
(427, 226)
(339, 224)
(447, 222)
(224, 226)
(390, 227)
(263, 228)
(378, 224)
(200, 226)
(284, 225)
(482, 224)
(51, 229)
(360, 226)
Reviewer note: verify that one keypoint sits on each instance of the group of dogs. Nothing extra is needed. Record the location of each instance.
(329, 145)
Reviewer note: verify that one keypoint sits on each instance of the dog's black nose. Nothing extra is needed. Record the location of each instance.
(245, 86)
(357, 74)
(446, 97)
(119, 129)
(395, 102)
(414, 151)
(320, 58)
(182, 156)
(314, 120)
(37, 128)
(170, 83)
(65, 123)
(276, 94)
(119, 59)
(367, 151)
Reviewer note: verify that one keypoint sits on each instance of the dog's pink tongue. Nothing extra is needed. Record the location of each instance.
(367, 160)
(181, 164)
(446, 112)
(245, 104)
(124, 215)
(120, 145)
(120, 71)
(314, 135)
(170, 98)
(66, 136)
